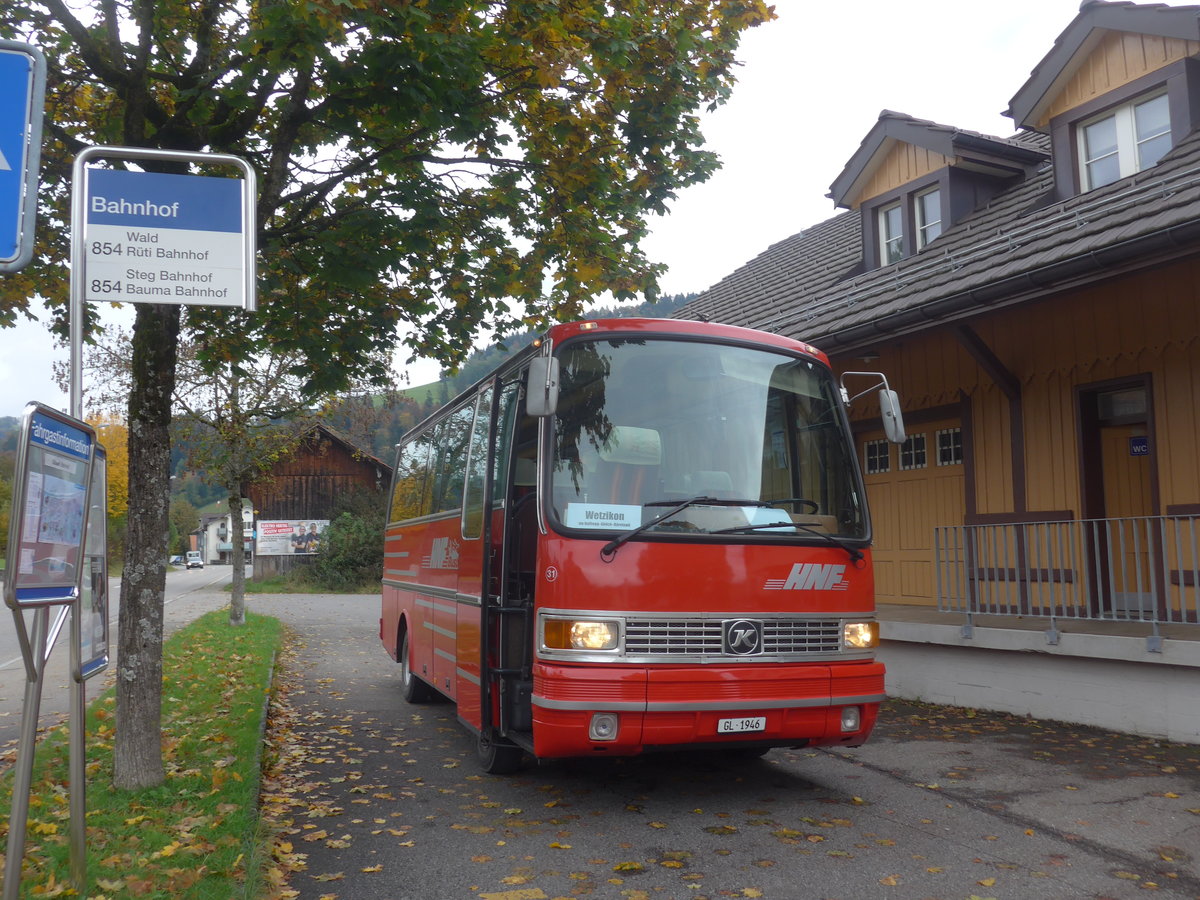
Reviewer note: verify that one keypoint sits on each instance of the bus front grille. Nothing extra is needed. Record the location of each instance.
(704, 637)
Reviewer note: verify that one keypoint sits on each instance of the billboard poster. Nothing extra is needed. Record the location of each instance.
(53, 473)
(289, 537)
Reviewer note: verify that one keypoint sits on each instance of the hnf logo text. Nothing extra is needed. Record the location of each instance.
(810, 577)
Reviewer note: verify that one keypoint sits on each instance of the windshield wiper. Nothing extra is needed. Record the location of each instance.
(854, 552)
(609, 550)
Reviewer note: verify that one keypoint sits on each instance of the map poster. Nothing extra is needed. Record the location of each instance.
(46, 530)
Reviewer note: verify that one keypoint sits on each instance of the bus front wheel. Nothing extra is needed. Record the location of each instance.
(412, 687)
(497, 759)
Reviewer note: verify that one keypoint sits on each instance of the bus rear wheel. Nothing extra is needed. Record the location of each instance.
(497, 759)
(413, 688)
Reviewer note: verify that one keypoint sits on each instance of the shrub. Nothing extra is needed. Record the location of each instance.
(350, 554)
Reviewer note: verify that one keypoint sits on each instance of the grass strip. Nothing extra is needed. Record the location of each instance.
(195, 836)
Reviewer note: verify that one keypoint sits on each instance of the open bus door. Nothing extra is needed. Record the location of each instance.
(507, 615)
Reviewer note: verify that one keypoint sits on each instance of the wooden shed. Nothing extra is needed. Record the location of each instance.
(312, 484)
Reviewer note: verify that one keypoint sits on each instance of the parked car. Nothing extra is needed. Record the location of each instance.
(176, 560)
(194, 560)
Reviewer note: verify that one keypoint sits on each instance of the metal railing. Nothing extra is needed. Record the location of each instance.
(1144, 569)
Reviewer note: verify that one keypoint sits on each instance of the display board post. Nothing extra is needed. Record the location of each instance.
(53, 484)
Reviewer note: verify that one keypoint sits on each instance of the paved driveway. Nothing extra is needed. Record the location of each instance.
(388, 803)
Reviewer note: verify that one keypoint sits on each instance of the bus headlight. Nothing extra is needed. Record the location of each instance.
(581, 634)
(860, 635)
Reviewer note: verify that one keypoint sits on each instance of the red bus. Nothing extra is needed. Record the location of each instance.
(639, 535)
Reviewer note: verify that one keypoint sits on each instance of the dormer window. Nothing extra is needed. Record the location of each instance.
(906, 221)
(912, 180)
(1123, 141)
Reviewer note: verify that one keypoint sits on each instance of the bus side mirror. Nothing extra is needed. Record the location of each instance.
(541, 391)
(893, 418)
(889, 403)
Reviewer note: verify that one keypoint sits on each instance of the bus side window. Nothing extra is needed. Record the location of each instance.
(450, 468)
(410, 491)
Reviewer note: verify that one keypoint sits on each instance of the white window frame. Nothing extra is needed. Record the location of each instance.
(925, 227)
(949, 442)
(872, 457)
(891, 244)
(914, 453)
(1127, 142)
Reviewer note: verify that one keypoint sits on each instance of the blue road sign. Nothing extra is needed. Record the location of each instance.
(22, 93)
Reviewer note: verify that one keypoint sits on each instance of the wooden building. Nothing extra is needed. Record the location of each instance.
(315, 482)
(1035, 301)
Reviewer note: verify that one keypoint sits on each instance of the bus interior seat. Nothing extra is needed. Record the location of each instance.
(628, 466)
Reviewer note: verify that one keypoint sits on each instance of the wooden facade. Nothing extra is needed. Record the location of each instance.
(1029, 453)
(1046, 343)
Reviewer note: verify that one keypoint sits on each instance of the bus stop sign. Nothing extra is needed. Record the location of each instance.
(22, 100)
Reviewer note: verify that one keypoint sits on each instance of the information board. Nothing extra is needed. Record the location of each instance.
(50, 502)
(156, 238)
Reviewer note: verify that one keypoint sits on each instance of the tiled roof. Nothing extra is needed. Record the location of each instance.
(1019, 247)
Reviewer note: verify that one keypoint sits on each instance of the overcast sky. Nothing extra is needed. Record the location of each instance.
(812, 85)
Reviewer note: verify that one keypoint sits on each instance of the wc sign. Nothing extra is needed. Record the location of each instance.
(1139, 445)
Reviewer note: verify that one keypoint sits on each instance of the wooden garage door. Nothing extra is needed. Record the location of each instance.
(911, 488)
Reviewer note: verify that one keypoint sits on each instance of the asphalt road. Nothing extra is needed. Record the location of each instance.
(386, 803)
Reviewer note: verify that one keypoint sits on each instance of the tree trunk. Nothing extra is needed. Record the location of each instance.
(237, 538)
(137, 751)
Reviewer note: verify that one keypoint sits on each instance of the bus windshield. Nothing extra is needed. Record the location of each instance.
(754, 439)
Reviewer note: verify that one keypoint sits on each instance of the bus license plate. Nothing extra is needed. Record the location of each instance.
(734, 726)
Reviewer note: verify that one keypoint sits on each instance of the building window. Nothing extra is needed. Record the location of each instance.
(891, 234)
(949, 447)
(912, 452)
(879, 458)
(929, 216)
(1124, 140)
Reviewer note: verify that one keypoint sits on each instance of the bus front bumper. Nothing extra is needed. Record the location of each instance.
(618, 710)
